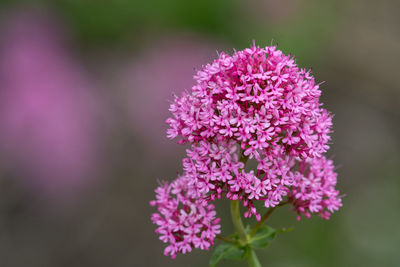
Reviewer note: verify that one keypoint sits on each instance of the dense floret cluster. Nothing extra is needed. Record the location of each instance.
(214, 171)
(256, 104)
(257, 97)
(184, 221)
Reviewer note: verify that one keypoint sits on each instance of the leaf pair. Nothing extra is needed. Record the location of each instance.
(230, 251)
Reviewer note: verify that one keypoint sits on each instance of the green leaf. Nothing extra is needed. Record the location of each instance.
(227, 251)
(263, 237)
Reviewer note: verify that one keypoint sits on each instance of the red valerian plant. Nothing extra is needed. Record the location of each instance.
(256, 104)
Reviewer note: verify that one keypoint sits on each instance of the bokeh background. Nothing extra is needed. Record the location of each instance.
(84, 92)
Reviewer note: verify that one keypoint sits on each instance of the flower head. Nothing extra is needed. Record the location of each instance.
(257, 97)
(256, 104)
(185, 221)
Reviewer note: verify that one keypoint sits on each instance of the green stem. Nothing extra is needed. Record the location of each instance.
(235, 210)
(237, 221)
(226, 239)
(264, 218)
(261, 222)
(252, 259)
(244, 239)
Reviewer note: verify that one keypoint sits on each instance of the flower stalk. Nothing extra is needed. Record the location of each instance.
(252, 259)
(237, 222)
(244, 239)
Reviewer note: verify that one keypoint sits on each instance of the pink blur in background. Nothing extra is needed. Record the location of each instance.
(48, 112)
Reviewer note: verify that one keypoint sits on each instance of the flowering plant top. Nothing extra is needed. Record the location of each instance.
(257, 97)
(256, 104)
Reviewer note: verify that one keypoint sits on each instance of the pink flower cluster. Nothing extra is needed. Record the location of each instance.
(257, 97)
(214, 171)
(184, 221)
(256, 104)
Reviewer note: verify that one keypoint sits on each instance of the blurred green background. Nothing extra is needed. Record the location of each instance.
(84, 92)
